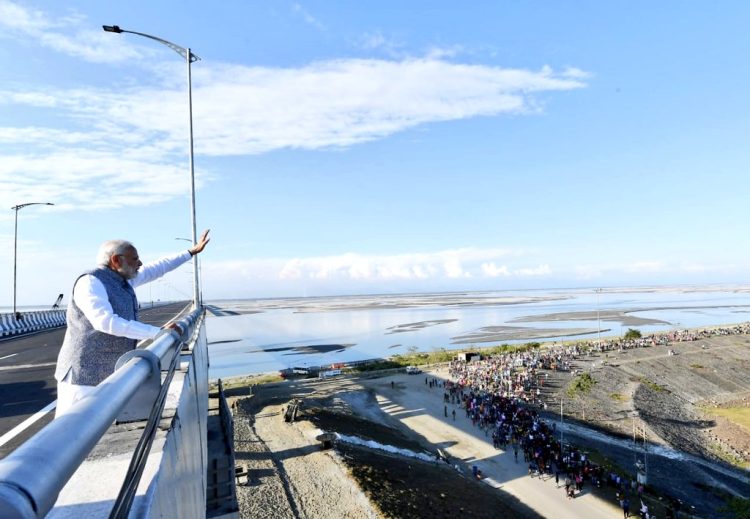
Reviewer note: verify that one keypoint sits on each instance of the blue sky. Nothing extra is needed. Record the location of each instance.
(352, 147)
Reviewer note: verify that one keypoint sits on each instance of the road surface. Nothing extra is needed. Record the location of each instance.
(28, 389)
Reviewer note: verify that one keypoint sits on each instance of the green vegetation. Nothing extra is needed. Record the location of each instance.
(581, 384)
(240, 386)
(718, 451)
(737, 415)
(442, 355)
(439, 355)
(619, 397)
(653, 386)
(738, 507)
(632, 334)
(507, 348)
(395, 362)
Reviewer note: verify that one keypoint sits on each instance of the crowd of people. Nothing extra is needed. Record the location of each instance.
(495, 393)
(516, 427)
(664, 338)
(515, 374)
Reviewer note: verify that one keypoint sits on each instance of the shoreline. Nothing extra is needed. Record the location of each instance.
(481, 349)
(660, 412)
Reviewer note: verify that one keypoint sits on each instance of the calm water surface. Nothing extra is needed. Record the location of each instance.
(308, 332)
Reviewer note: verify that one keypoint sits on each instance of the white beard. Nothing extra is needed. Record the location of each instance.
(127, 271)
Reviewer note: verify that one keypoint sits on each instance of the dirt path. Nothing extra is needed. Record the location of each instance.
(419, 408)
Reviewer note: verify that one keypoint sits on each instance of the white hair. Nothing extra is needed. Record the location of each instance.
(112, 248)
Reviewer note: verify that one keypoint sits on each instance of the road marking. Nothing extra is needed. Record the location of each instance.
(8, 356)
(27, 366)
(18, 429)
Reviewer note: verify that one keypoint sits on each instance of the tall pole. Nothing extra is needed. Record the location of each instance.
(200, 266)
(189, 58)
(196, 292)
(598, 321)
(15, 256)
(17, 314)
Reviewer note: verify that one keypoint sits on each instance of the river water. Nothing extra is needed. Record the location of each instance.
(255, 336)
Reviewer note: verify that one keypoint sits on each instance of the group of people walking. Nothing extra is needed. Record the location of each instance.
(500, 394)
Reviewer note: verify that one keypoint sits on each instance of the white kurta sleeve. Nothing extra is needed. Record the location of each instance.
(91, 298)
(158, 268)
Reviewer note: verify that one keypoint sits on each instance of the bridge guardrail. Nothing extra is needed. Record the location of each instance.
(11, 325)
(33, 475)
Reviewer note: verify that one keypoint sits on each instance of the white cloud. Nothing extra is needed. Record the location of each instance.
(491, 270)
(242, 110)
(66, 34)
(102, 137)
(644, 266)
(541, 270)
(573, 72)
(448, 264)
(696, 268)
(307, 17)
(377, 40)
(444, 52)
(141, 132)
(24, 19)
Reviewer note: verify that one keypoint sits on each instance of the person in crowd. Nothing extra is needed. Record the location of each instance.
(102, 317)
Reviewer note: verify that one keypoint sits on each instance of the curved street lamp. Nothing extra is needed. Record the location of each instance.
(16, 208)
(189, 58)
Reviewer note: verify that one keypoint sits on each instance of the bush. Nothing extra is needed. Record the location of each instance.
(653, 386)
(739, 507)
(581, 384)
(632, 334)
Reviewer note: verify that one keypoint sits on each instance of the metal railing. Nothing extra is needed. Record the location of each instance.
(32, 476)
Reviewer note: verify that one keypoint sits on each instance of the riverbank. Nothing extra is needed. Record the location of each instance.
(286, 463)
(670, 397)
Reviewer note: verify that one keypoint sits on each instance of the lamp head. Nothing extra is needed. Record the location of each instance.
(112, 28)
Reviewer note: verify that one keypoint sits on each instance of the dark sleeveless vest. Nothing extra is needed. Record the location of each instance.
(90, 355)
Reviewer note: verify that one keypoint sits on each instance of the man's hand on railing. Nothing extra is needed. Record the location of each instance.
(175, 327)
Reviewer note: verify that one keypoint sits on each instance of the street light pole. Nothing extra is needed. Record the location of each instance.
(189, 59)
(598, 321)
(200, 267)
(17, 314)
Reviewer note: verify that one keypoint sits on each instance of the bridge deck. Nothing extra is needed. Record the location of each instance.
(27, 384)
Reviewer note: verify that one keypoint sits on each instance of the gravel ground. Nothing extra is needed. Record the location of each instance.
(289, 475)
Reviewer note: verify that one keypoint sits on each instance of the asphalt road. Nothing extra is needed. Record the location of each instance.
(27, 384)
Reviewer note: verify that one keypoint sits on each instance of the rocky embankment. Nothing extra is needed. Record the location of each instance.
(670, 396)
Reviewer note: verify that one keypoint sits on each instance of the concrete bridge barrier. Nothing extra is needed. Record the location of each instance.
(30, 322)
